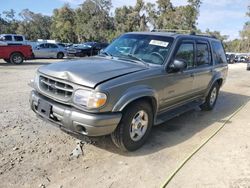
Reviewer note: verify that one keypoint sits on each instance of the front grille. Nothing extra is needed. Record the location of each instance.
(55, 88)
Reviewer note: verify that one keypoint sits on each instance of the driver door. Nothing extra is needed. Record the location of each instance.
(179, 85)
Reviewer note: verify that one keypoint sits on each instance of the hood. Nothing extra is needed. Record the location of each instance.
(90, 71)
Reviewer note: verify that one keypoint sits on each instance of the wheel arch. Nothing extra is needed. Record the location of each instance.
(136, 94)
(16, 52)
(219, 79)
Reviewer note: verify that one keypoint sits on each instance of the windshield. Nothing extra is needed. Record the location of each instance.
(148, 48)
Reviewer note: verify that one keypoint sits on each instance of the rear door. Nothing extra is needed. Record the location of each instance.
(41, 51)
(53, 50)
(203, 66)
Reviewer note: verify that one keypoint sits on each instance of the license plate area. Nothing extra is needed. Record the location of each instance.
(44, 108)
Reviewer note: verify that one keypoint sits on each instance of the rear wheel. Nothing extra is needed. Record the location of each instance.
(16, 58)
(211, 98)
(134, 128)
(60, 55)
(7, 60)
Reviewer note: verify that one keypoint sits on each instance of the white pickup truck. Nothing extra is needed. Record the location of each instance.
(12, 39)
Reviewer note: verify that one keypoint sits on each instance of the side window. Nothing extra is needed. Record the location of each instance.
(203, 55)
(186, 53)
(46, 45)
(18, 38)
(41, 46)
(8, 38)
(52, 46)
(218, 53)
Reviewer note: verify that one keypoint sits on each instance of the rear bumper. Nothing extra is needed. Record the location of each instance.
(76, 121)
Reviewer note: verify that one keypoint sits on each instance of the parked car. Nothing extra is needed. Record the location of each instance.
(15, 54)
(86, 49)
(13, 39)
(140, 80)
(49, 50)
(248, 64)
(230, 58)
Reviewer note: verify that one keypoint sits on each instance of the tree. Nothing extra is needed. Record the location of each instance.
(63, 24)
(93, 20)
(8, 22)
(34, 26)
(217, 34)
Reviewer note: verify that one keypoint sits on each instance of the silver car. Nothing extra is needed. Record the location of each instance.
(49, 50)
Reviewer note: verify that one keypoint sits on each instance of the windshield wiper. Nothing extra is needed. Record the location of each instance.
(138, 59)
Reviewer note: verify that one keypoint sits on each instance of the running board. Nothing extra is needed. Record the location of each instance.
(170, 114)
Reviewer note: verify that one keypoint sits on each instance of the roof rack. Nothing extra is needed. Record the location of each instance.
(190, 32)
(172, 31)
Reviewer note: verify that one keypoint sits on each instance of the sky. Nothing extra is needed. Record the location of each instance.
(226, 16)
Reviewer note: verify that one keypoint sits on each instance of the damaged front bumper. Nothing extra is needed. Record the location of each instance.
(73, 120)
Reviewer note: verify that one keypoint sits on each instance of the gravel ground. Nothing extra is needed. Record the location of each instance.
(36, 154)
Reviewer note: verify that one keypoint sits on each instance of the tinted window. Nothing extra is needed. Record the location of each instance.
(203, 57)
(186, 53)
(41, 46)
(18, 38)
(7, 38)
(218, 53)
(52, 46)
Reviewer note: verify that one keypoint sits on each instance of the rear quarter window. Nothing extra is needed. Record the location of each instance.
(218, 53)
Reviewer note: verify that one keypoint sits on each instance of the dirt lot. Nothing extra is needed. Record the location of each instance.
(36, 154)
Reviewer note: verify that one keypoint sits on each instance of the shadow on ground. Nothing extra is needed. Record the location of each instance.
(182, 127)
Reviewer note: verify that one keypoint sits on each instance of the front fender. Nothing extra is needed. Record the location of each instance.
(133, 94)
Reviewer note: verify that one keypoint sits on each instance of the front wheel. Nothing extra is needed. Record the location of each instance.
(134, 128)
(211, 98)
(60, 55)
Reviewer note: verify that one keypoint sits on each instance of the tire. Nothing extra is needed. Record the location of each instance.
(7, 60)
(60, 55)
(126, 136)
(211, 98)
(16, 58)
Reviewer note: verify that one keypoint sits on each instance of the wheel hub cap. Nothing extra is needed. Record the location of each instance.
(139, 125)
(213, 96)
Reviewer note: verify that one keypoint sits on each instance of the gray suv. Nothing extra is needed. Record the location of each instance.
(141, 79)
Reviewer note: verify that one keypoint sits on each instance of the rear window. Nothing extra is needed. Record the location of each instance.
(218, 53)
(18, 38)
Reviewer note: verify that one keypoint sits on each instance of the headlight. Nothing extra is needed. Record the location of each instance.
(89, 99)
(34, 82)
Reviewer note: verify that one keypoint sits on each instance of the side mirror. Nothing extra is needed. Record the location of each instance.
(177, 66)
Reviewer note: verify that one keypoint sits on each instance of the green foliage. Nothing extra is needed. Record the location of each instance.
(63, 24)
(34, 26)
(93, 21)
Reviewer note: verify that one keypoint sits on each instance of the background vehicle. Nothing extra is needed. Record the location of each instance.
(231, 58)
(15, 54)
(13, 39)
(86, 49)
(140, 80)
(49, 50)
